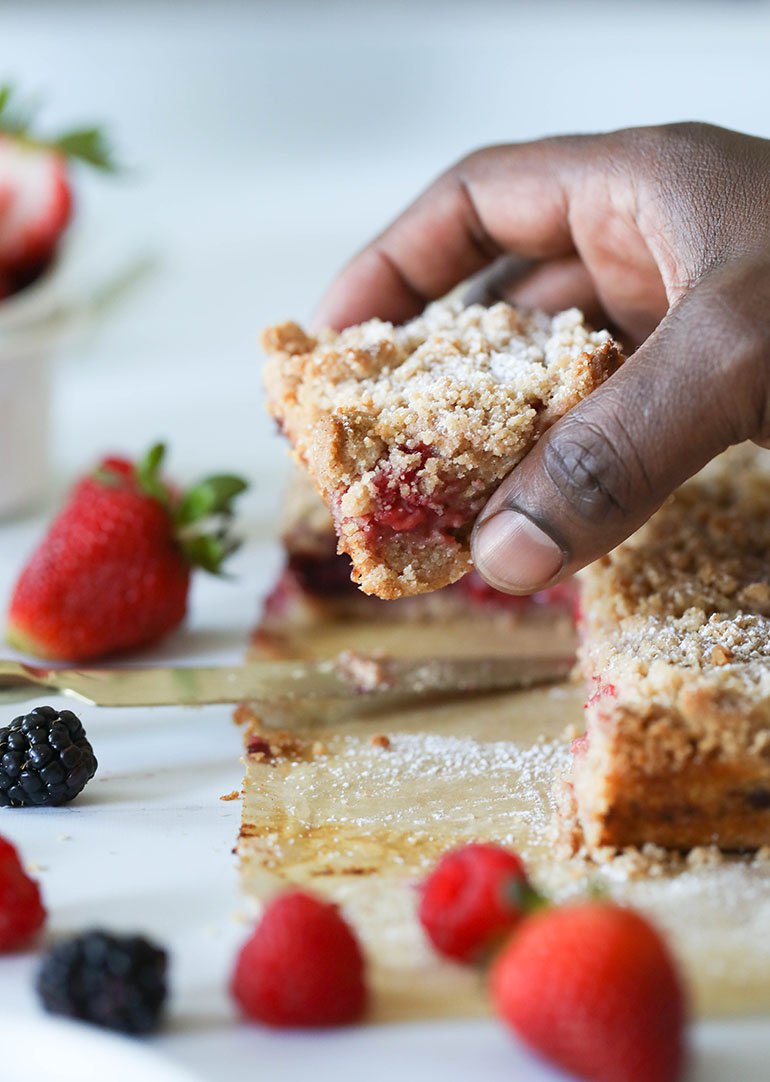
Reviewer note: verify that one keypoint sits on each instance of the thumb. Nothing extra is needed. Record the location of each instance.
(697, 385)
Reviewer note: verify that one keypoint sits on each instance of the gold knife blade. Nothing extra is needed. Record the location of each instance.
(347, 678)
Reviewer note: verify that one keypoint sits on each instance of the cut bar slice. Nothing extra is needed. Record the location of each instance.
(408, 430)
(314, 609)
(676, 650)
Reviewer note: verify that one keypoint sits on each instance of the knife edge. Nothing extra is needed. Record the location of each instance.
(346, 678)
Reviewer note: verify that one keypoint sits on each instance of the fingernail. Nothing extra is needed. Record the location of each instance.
(513, 554)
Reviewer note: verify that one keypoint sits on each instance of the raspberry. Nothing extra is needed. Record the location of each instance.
(21, 909)
(114, 981)
(301, 967)
(472, 898)
(45, 758)
(593, 988)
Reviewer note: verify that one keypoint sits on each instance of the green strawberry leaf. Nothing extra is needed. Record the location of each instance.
(87, 144)
(208, 551)
(211, 496)
(201, 517)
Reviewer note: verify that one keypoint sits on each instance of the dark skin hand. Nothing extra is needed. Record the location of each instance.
(665, 233)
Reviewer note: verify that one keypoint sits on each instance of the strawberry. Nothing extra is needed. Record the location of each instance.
(35, 192)
(301, 967)
(113, 571)
(473, 896)
(38, 203)
(593, 988)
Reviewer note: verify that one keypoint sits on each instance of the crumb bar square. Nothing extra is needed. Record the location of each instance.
(675, 633)
(406, 431)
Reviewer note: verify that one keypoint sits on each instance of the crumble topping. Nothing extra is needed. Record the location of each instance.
(461, 378)
(691, 589)
(407, 430)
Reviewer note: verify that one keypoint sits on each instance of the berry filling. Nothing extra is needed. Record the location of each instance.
(480, 592)
(328, 577)
(603, 691)
(579, 745)
(403, 505)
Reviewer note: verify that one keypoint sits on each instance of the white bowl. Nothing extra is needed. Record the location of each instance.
(31, 325)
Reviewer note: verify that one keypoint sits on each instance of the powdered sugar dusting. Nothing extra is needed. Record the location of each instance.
(363, 823)
(430, 787)
(695, 577)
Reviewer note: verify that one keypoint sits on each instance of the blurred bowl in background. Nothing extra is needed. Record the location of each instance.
(32, 324)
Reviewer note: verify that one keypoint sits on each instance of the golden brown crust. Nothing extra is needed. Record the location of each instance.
(676, 646)
(406, 431)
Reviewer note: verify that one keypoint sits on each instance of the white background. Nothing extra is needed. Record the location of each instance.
(264, 143)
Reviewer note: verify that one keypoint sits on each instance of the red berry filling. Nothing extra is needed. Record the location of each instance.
(476, 589)
(403, 504)
(579, 745)
(603, 691)
(329, 577)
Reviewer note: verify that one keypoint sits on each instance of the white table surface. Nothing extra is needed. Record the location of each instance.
(266, 142)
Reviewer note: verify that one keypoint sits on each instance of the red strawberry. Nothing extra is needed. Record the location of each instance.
(593, 988)
(21, 910)
(35, 192)
(474, 895)
(113, 571)
(301, 967)
(35, 205)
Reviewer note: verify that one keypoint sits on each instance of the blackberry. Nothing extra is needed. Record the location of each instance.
(114, 981)
(45, 758)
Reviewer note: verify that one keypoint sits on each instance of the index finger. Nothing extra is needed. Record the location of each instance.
(501, 199)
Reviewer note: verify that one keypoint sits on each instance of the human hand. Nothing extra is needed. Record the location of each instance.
(663, 231)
